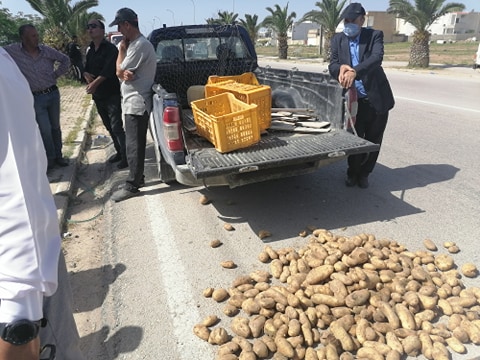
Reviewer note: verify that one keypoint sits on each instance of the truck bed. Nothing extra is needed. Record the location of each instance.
(277, 151)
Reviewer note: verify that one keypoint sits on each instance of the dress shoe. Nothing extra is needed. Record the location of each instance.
(350, 181)
(114, 158)
(122, 164)
(140, 185)
(124, 194)
(61, 162)
(363, 182)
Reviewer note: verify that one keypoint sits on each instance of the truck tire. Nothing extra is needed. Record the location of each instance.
(165, 172)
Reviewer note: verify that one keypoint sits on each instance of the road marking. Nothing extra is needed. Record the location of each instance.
(437, 104)
(181, 305)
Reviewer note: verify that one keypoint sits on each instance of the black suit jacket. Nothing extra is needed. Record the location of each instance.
(369, 69)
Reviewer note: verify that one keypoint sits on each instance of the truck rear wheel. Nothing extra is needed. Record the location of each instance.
(165, 172)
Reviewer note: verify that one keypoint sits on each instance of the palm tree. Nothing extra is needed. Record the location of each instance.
(328, 18)
(60, 14)
(251, 24)
(421, 16)
(224, 18)
(280, 21)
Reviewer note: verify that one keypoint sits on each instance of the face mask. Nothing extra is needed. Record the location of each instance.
(351, 29)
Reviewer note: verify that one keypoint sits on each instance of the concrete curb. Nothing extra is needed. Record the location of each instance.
(63, 191)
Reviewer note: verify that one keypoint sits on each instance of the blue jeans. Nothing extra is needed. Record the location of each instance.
(47, 114)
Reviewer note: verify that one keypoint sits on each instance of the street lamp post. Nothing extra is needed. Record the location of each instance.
(173, 16)
(193, 2)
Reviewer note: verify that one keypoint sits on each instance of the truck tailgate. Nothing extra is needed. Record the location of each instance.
(277, 150)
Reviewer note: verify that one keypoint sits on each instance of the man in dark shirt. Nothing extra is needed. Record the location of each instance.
(103, 84)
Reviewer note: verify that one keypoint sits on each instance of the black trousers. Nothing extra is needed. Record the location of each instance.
(110, 111)
(369, 125)
(136, 127)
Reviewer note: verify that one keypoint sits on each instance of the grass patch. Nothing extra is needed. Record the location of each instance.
(458, 53)
(69, 141)
(67, 81)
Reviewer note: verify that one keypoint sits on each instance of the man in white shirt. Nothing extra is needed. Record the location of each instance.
(29, 230)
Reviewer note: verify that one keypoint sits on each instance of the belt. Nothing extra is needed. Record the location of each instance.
(45, 91)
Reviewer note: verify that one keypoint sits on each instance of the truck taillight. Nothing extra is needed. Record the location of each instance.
(172, 128)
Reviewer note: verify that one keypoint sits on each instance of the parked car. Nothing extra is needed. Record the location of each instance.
(476, 62)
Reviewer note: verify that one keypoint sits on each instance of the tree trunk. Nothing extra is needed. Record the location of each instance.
(420, 49)
(327, 51)
(282, 47)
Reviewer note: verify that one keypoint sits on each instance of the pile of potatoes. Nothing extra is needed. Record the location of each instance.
(347, 298)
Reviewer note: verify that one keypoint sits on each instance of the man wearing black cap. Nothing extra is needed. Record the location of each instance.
(356, 60)
(136, 65)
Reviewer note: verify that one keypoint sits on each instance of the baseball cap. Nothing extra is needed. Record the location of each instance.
(353, 11)
(124, 14)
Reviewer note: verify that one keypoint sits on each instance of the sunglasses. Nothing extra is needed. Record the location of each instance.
(92, 26)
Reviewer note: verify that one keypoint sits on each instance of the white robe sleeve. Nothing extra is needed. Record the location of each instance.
(29, 231)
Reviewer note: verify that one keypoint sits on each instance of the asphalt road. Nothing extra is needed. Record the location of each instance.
(424, 186)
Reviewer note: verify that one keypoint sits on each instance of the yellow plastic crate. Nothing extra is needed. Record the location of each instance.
(261, 95)
(228, 123)
(245, 78)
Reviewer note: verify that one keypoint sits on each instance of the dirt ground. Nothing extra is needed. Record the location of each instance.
(84, 245)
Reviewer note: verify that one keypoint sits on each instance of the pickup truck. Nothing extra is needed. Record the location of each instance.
(186, 57)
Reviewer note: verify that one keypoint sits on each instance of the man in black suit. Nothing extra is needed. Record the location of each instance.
(356, 60)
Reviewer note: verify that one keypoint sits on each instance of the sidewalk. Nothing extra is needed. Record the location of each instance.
(75, 114)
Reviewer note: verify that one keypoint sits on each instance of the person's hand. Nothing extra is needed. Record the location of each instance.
(88, 77)
(346, 76)
(92, 87)
(29, 351)
(123, 45)
(128, 75)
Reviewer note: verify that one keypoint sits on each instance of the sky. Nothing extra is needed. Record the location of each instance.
(152, 14)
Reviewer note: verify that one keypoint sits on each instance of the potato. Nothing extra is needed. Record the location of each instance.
(284, 347)
(440, 352)
(215, 243)
(218, 336)
(251, 306)
(263, 257)
(230, 310)
(208, 292)
(357, 298)
(472, 330)
(390, 314)
(228, 348)
(430, 245)
(319, 274)
(262, 234)
(219, 295)
(201, 331)
(406, 317)
(444, 262)
(260, 348)
(256, 325)
(412, 345)
(276, 268)
(227, 357)
(228, 264)
(469, 270)
(393, 355)
(393, 341)
(342, 335)
(456, 345)
(369, 353)
(210, 320)
(240, 326)
(228, 227)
